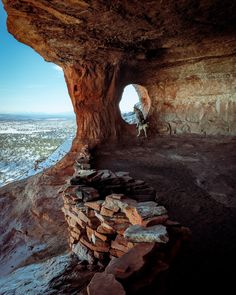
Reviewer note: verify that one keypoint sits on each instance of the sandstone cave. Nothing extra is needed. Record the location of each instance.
(176, 188)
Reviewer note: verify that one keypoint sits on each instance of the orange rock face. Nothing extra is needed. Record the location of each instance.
(183, 54)
(95, 92)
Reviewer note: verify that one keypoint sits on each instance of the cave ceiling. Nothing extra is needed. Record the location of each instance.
(70, 32)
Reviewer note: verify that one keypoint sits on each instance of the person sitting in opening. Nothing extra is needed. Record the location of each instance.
(141, 124)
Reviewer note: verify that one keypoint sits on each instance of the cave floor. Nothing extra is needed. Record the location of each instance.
(195, 179)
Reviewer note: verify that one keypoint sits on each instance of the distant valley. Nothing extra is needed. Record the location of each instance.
(25, 139)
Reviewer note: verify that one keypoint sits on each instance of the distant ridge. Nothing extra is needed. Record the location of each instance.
(35, 116)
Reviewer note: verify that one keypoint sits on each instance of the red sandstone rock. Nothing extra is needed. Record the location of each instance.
(76, 229)
(75, 234)
(116, 253)
(120, 228)
(115, 197)
(143, 210)
(117, 246)
(81, 223)
(94, 222)
(100, 246)
(74, 217)
(105, 284)
(71, 222)
(83, 217)
(72, 193)
(90, 233)
(106, 212)
(90, 213)
(100, 236)
(96, 205)
(99, 216)
(130, 262)
(118, 218)
(104, 229)
(116, 202)
(121, 240)
(108, 225)
(111, 205)
(71, 241)
(121, 244)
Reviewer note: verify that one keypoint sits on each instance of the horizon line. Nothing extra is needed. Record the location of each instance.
(36, 113)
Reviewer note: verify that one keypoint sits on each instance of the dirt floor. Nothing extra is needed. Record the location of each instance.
(195, 178)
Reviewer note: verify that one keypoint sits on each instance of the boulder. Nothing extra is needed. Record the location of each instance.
(130, 262)
(104, 284)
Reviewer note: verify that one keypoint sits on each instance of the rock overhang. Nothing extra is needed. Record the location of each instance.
(70, 32)
(183, 52)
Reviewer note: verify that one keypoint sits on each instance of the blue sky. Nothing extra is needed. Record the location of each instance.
(28, 84)
(129, 99)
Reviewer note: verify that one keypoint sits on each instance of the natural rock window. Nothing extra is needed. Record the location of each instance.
(134, 94)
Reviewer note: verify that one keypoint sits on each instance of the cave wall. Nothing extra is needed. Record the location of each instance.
(202, 99)
(195, 94)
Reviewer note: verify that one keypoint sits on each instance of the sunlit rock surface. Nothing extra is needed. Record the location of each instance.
(183, 53)
(32, 224)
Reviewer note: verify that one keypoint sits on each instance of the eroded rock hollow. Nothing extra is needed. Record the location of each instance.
(182, 52)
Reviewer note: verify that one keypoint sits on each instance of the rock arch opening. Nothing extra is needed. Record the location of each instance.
(134, 95)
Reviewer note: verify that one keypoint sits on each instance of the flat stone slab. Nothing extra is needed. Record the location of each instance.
(150, 209)
(116, 202)
(143, 210)
(138, 233)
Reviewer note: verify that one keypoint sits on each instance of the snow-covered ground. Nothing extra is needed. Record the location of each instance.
(29, 146)
(35, 279)
(57, 155)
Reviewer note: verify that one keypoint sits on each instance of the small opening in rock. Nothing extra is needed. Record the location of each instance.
(134, 95)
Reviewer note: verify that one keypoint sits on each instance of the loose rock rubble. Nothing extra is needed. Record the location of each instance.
(105, 226)
(115, 222)
(102, 227)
